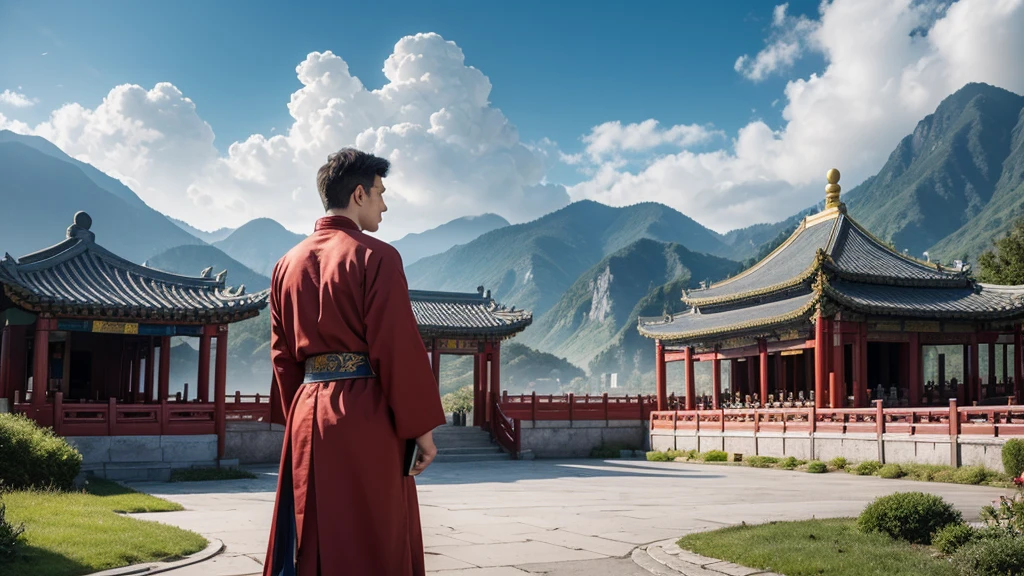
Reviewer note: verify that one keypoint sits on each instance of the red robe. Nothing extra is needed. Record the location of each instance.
(355, 512)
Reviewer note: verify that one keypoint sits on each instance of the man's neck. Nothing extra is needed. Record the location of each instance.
(350, 214)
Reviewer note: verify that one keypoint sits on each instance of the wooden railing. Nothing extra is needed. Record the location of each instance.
(570, 407)
(505, 430)
(113, 419)
(992, 421)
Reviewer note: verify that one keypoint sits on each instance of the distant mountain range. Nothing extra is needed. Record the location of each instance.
(208, 237)
(259, 244)
(955, 183)
(414, 247)
(192, 259)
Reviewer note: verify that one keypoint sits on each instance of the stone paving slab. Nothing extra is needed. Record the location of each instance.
(514, 517)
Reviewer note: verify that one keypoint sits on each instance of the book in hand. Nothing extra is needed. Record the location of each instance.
(412, 455)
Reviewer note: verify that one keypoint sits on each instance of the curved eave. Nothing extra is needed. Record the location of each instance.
(942, 303)
(231, 310)
(475, 332)
(951, 282)
(803, 312)
(745, 297)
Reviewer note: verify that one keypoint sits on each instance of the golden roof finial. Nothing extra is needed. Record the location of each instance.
(832, 189)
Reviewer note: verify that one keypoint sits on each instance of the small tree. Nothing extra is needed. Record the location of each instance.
(1005, 264)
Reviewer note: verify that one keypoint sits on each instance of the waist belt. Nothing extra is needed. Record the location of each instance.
(338, 366)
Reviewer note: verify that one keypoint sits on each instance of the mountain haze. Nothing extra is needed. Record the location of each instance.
(593, 311)
(191, 260)
(531, 265)
(259, 244)
(208, 237)
(414, 247)
(40, 194)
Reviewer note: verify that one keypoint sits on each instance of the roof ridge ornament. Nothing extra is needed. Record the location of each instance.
(832, 190)
(80, 227)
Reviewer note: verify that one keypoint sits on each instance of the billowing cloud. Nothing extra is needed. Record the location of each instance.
(15, 99)
(889, 63)
(789, 38)
(612, 138)
(452, 153)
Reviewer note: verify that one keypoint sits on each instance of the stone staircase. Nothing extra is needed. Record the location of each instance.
(465, 444)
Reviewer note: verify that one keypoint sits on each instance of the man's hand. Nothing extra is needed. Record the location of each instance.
(427, 453)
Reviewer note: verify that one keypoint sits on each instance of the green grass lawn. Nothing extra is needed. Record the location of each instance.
(72, 533)
(814, 547)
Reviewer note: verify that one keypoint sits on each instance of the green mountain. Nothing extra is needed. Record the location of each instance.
(592, 313)
(953, 184)
(531, 265)
(40, 193)
(414, 247)
(259, 244)
(190, 260)
(523, 370)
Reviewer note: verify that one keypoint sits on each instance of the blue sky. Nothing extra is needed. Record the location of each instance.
(220, 112)
(557, 68)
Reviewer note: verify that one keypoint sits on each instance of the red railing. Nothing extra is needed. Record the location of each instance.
(975, 420)
(505, 430)
(113, 419)
(570, 407)
(248, 408)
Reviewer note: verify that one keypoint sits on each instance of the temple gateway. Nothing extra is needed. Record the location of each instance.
(836, 318)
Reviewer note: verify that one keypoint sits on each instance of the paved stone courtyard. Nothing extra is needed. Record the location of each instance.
(559, 517)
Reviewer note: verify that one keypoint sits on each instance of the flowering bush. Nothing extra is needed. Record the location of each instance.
(1008, 512)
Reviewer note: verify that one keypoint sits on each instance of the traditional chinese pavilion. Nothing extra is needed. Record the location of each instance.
(470, 323)
(836, 318)
(84, 331)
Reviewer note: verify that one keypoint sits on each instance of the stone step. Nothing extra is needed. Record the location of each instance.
(451, 458)
(665, 558)
(463, 443)
(470, 450)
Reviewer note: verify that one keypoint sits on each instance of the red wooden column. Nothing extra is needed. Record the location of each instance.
(762, 354)
(220, 387)
(975, 381)
(659, 375)
(435, 361)
(203, 378)
(150, 370)
(41, 362)
(478, 404)
(837, 394)
(6, 387)
(691, 382)
(165, 369)
(1018, 367)
(820, 368)
(716, 383)
(914, 370)
(496, 368)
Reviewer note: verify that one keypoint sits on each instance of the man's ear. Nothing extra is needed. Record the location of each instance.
(359, 195)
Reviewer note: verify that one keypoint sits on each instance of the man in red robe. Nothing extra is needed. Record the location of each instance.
(352, 384)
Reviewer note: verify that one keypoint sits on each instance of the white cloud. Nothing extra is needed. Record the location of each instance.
(452, 153)
(16, 99)
(889, 63)
(788, 41)
(612, 138)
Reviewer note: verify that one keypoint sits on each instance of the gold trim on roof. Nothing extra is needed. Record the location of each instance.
(798, 314)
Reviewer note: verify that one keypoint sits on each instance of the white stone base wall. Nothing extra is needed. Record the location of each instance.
(562, 439)
(254, 442)
(142, 458)
(898, 448)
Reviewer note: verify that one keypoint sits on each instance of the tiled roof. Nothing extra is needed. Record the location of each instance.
(792, 260)
(856, 255)
(460, 314)
(80, 278)
(694, 324)
(852, 253)
(983, 302)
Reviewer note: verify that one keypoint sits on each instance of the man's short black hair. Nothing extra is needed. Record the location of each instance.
(344, 171)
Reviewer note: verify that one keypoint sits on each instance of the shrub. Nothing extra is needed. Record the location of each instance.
(891, 471)
(460, 400)
(1007, 515)
(924, 472)
(952, 537)
(990, 557)
(817, 467)
(10, 535)
(839, 463)
(1013, 457)
(790, 463)
(716, 456)
(762, 461)
(867, 468)
(673, 454)
(970, 475)
(910, 516)
(35, 457)
(657, 456)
